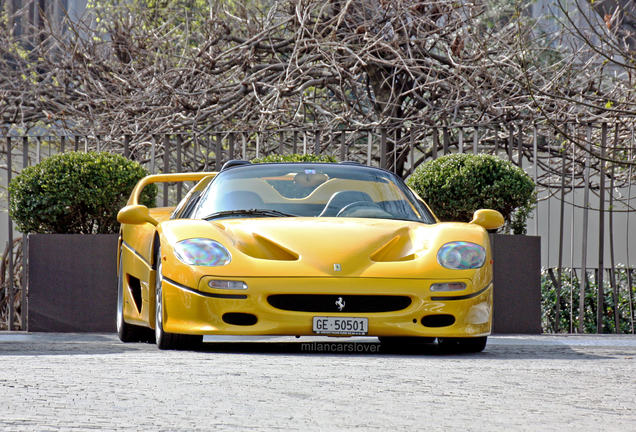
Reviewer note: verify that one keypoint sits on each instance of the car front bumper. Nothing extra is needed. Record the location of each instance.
(202, 311)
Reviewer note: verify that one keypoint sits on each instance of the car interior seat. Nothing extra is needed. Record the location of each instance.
(341, 199)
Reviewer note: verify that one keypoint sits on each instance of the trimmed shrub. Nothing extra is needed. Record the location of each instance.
(75, 193)
(295, 157)
(458, 184)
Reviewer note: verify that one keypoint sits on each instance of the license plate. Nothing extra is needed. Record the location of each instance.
(341, 325)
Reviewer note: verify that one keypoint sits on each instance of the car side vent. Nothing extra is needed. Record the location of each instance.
(135, 289)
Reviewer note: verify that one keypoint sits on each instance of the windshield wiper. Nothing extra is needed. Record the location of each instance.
(248, 212)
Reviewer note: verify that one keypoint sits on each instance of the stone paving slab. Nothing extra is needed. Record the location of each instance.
(80, 382)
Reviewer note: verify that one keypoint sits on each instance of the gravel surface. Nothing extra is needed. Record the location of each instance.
(51, 382)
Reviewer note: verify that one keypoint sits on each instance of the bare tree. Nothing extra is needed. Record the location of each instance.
(134, 69)
(340, 62)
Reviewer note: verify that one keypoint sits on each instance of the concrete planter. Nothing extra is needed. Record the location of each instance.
(517, 279)
(72, 282)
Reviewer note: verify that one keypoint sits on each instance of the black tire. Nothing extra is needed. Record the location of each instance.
(165, 340)
(127, 332)
(402, 341)
(463, 345)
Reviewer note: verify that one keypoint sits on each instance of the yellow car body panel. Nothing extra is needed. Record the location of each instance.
(339, 256)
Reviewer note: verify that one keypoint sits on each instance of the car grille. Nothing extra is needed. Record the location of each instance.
(338, 303)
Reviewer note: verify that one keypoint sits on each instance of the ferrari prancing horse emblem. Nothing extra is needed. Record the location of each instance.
(340, 303)
(336, 267)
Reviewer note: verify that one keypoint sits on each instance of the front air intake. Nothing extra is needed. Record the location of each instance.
(441, 320)
(239, 318)
(333, 303)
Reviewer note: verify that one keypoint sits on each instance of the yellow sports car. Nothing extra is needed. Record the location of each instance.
(302, 249)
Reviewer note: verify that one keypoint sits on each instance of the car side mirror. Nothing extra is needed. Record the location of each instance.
(135, 215)
(489, 219)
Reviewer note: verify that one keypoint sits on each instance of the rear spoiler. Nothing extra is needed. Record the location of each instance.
(165, 178)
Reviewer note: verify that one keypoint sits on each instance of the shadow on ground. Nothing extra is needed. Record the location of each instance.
(498, 348)
(522, 352)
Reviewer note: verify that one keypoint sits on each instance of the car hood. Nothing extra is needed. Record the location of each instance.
(328, 247)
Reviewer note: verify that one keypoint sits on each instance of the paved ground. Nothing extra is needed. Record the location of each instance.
(87, 382)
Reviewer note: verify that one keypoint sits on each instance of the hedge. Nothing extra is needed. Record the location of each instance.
(458, 184)
(75, 193)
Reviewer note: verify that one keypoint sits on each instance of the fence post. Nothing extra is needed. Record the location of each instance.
(536, 176)
(561, 222)
(231, 139)
(586, 205)
(127, 146)
(295, 143)
(383, 148)
(281, 140)
(600, 299)
(153, 152)
(25, 249)
(219, 152)
(611, 234)
(520, 147)
(476, 140)
(343, 146)
(166, 167)
(435, 143)
(395, 150)
(631, 297)
(10, 287)
(548, 145)
(412, 150)
(571, 328)
(179, 167)
(460, 138)
(511, 141)
(369, 146)
(446, 137)
(629, 271)
(496, 152)
(317, 142)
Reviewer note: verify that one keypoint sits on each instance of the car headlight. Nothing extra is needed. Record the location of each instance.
(202, 252)
(461, 255)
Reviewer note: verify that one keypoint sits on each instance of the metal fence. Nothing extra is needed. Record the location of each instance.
(584, 174)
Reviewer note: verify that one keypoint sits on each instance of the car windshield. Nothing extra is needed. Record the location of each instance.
(309, 190)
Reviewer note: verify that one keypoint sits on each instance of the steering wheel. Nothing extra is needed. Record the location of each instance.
(363, 209)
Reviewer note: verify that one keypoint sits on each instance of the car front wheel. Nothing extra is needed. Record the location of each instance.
(165, 340)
